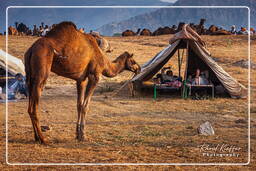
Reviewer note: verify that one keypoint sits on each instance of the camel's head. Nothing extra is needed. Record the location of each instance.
(131, 64)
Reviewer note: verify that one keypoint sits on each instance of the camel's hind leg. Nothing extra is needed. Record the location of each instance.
(33, 112)
(37, 79)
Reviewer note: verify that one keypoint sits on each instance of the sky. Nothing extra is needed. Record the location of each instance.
(171, 1)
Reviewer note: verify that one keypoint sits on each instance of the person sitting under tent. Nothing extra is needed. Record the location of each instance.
(2, 95)
(18, 86)
(166, 76)
(201, 78)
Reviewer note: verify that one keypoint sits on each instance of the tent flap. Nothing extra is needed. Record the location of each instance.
(14, 64)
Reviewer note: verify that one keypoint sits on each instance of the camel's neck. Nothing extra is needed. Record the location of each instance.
(111, 69)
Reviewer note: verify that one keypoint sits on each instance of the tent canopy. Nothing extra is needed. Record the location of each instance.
(197, 57)
(14, 64)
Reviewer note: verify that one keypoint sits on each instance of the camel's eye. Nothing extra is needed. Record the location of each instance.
(133, 62)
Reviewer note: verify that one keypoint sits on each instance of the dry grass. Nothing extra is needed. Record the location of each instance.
(135, 130)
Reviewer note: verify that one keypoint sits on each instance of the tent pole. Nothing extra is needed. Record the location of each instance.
(179, 61)
(186, 69)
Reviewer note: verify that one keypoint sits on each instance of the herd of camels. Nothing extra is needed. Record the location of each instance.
(22, 29)
(69, 53)
(199, 28)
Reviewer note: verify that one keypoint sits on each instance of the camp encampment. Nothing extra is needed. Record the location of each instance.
(15, 66)
(198, 58)
(15, 74)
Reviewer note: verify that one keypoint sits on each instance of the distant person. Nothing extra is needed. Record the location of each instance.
(233, 29)
(252, 31)
(46, 30)
(81, 30)
(243, 31)
(41, 30)
(35, 31)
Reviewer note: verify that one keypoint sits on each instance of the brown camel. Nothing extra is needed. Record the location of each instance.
(12, 31)
(212, 29)
(145, 32)
(221, 32)
(163, 30)
(69, 53)
(130, 33)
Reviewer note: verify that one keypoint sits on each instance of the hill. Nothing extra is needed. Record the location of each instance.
(224, 17)
(88, 18)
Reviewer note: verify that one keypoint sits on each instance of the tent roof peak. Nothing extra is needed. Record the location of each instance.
(187, 33)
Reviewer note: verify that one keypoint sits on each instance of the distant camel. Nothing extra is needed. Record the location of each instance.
(12, 31)
(165, 30)
(23, 29)
(145, 32)
(69, 53)
(130, 33)
(221, 32)
(212, 29)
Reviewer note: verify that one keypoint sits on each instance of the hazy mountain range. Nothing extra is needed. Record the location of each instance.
(87, 18)
(168, 16)
(111, 20)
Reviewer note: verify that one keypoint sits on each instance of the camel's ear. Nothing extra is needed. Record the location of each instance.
(131, 55)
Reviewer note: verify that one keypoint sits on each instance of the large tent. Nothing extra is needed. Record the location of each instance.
(11, 64)
(15, 65)
(197, 57)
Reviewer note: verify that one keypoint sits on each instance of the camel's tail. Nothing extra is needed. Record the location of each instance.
(28, 71)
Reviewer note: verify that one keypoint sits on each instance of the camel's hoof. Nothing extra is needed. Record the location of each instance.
(42, 141)
(80, 138)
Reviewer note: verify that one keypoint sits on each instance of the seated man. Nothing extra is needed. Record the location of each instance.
(17, 86)
(200, 78)
(2, 96)
(166, 76)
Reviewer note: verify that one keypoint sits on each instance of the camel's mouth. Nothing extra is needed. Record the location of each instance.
(137, 69)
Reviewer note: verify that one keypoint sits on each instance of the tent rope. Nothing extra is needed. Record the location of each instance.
(119, 89)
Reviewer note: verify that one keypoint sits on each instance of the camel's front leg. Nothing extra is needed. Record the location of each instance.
(91, 85)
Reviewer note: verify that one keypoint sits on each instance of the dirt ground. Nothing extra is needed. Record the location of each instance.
(124, 129)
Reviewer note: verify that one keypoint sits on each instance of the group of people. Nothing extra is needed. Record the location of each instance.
(166, 77)
(41, 30)
(242, 30)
